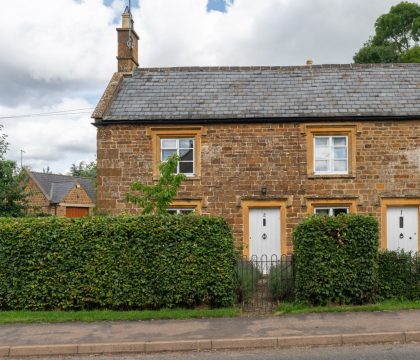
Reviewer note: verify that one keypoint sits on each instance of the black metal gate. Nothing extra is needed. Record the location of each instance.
(265, 281)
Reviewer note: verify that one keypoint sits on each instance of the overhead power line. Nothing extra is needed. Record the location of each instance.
(52, 113)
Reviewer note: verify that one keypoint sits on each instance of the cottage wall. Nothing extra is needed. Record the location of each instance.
(238, 160)
(37, 201)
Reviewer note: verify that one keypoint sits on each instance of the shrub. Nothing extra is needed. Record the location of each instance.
(281, 281)
(399, 275)
(247, 277)
(336, 259)
(144, 262)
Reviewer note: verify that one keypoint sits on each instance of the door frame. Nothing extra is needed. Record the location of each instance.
(397, 202)
(250, 204)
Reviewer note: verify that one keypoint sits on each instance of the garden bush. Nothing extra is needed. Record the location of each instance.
(281, 281)
(336, 259)
(143, 262)
(247, 277)
(399, 275)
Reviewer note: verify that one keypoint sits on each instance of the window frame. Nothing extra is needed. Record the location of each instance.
(312, 204)
(331, 158)
(331, 131)
(179, 210)
(176, 132)
(178, 150)
(186, 204)
(331, 209)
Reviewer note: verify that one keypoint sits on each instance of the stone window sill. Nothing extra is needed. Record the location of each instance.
(332, 176)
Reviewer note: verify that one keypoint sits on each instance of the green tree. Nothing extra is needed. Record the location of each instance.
(84, 169)
(13, 182)
(396, 37)
(155, 199)
(47, 170)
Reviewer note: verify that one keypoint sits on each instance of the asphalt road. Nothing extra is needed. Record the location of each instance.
(373, 352)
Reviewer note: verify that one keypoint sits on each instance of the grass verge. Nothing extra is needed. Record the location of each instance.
(10, 317)
(386, 305)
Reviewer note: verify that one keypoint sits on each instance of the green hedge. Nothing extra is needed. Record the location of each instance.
(336, 259)
(145, 262)
(399, 275)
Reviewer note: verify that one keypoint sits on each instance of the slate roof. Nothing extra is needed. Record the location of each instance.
(212, 93)
(56, 187)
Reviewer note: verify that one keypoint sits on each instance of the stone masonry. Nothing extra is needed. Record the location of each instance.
(238, 159)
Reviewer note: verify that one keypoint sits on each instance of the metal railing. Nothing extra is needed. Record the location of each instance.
(264, 281)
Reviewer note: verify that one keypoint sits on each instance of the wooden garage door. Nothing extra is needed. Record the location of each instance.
(73, 212)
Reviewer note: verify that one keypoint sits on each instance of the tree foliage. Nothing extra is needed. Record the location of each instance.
(396, 37)
(155, 199)
(13, 195)
(84, 169)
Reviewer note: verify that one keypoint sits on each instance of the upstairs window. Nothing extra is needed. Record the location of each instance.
(184, 148)
(184, 141)
(331, 155)
(331, 150)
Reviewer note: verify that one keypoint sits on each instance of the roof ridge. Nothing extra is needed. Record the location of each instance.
(69, 176)
(276, 67)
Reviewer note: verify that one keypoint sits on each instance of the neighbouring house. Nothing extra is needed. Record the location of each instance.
(60, 195)
(266, 146)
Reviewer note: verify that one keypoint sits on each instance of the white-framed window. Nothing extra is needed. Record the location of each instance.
(184, 148)
(180, 211)
(331, 211)
(331, 154)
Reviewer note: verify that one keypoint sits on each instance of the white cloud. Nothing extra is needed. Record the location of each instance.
(59, 54)
(268, 32)
(56, 141)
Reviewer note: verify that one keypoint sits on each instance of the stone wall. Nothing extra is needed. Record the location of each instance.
(238, 160)
(37, 202)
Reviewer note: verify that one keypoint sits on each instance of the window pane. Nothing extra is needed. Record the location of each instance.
(340, 165)
(186, 211)
(340, 141)
(321, 141)
(321, 165)
(186, 154)
(171, 211)
(168, 144)
(186, 167)
(337, 211)
(167, 154)
(186, 143)
(340, 153)
(322, 153)
(321, 211)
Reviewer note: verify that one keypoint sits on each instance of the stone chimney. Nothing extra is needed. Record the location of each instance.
(128, 57)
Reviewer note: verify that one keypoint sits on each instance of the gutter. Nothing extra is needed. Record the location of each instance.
(102, 122)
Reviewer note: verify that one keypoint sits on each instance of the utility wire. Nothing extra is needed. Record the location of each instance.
(52, 113)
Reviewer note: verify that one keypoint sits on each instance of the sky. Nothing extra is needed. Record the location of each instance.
(57, 56)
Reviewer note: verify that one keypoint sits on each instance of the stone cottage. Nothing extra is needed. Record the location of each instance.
(60, 195)
(266, 146)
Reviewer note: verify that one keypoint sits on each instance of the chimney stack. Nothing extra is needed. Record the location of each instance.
(128, 57)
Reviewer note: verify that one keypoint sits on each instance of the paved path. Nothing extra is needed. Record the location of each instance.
(170, 330)
(210, 334)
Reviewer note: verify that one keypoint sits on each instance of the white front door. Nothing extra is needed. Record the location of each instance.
(264, 232)
(402, 228)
